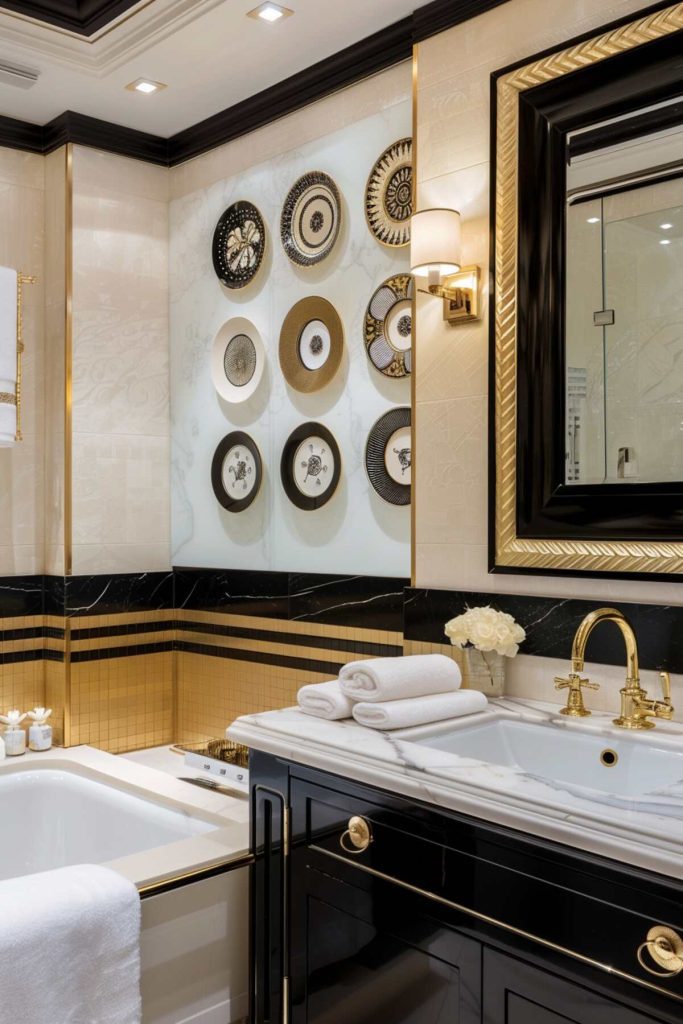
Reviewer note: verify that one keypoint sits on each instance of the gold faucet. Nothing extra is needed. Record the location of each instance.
(636, 707)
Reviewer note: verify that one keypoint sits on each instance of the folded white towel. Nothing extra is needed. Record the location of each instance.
(70, 948)
(396, 678)
(402, 714)
(324, 700)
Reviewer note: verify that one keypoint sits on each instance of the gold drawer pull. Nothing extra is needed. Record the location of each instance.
(359, 835)
(665, 947)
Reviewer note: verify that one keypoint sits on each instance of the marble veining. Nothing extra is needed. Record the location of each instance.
(646, 830)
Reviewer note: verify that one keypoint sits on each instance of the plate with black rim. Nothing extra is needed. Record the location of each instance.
(311, 344)
(310, 467)
(238, 360)
(389, 195)
(236, 471)
(389, 327)
(311, 219)
(239, 244)
(388, 456)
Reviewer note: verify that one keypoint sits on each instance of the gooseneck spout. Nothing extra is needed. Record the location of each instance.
(587, 627)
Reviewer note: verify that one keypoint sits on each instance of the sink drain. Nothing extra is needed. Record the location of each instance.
(609, 758)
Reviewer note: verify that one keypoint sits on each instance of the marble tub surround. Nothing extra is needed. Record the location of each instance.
(646, 831)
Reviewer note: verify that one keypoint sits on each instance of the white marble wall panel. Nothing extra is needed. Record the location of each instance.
(22, 243)
(355, 531)
(120, 364)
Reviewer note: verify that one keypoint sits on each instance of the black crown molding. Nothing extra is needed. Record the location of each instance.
(82, 16)
(375, 53)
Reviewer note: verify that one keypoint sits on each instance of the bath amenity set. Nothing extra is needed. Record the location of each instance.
(393, 693)
(13, 742)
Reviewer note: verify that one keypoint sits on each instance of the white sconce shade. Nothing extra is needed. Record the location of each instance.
(435, 243)
(8, 356)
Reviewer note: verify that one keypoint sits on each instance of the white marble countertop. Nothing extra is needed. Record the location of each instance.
(228, 841)
(646, 831)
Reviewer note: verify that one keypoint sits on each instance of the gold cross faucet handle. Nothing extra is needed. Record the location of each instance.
(575, 684)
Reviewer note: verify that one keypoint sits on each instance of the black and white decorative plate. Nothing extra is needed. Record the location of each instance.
(236, 471)
(388, 456)
(239, 243)
(311, 466)
(311, 219)
(311, 344)
(389, 194)
(389, 326)
(237, 360)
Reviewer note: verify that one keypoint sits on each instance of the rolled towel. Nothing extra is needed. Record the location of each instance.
(402, 714)
(324, 700)
(416, 675)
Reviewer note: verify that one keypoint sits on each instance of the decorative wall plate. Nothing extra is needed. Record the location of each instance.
(311, 219)
(389, 194)
(236, 471)
(238, 360)
(311, 344)
(388, 456)
(389, 326)
(311, 466)
(239, 243)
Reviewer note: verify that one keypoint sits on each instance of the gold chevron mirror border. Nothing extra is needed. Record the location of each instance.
(511, 550)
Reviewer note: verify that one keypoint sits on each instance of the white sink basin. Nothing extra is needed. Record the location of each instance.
(564, 755)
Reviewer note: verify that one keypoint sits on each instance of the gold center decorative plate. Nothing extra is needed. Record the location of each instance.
(311, 344)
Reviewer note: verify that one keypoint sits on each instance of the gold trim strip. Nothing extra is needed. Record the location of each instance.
(195, 874)
(511, 550)
(68, 418)
(413, 371)
(547, 943)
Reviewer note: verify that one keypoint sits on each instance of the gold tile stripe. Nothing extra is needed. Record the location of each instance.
(511, 550)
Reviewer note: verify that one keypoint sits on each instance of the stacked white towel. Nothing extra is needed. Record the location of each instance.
(393, 693)
(70, 948)
(8, 355)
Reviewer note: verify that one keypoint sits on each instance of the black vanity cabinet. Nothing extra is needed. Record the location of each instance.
(425, 916)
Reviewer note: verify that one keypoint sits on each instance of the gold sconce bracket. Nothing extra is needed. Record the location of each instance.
(22, 279)
(461, 294)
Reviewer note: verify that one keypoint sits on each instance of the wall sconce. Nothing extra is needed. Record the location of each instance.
(11, 351)
(435, 243)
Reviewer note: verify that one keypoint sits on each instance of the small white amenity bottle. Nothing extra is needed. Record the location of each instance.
(15, 736)
(40, 733)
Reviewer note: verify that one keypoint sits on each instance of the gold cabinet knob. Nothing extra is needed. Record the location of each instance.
(358, 833)
(664, 946)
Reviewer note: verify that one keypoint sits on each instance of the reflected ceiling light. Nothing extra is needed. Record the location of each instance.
(665, 241)
(146, 86)
(270, 12)
(593, 220)
(665, 227)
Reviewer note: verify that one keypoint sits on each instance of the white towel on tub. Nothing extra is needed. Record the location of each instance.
(413, 675)
(70, 948)
(324, 700)
(435, 707)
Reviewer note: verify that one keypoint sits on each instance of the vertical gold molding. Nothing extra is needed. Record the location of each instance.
(68, 417)
(413, 375)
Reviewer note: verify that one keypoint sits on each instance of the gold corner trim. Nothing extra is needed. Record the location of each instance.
(511, 550)
(413, 370)
(68, 364)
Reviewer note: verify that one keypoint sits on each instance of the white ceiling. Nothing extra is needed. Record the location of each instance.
(207, 51)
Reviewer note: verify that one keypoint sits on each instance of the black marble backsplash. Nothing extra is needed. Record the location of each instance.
(73, 596)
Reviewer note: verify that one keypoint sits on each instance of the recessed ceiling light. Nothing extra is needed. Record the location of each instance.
(270, 12)
(593, 220)
(665, 241)
(665, 227)
(145, 85)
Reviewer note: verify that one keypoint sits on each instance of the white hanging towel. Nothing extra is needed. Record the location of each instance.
(396, 678)
(8, 356)
(324, 700)
(435, 707)
(70, 948)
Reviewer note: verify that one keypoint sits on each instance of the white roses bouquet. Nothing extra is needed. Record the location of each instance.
(487, 630)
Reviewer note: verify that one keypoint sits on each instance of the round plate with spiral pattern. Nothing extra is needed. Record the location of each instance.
(238, 360)
(389, 194)
(239, 243)
(236, 471)
(389, 326)
(388, 456)
(311, 219)
(311, 344)
(311, 466)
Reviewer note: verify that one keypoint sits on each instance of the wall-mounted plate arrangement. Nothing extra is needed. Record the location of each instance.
(239, 243)
(388, 456)
(311, 466)
(311, 344)
(389, 326)
(237, 360)
(236, 471)
(389, 194)
(311, 219)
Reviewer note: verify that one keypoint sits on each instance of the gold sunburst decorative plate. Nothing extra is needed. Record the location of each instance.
(389, 326)
(389, 194)
(311, 344)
